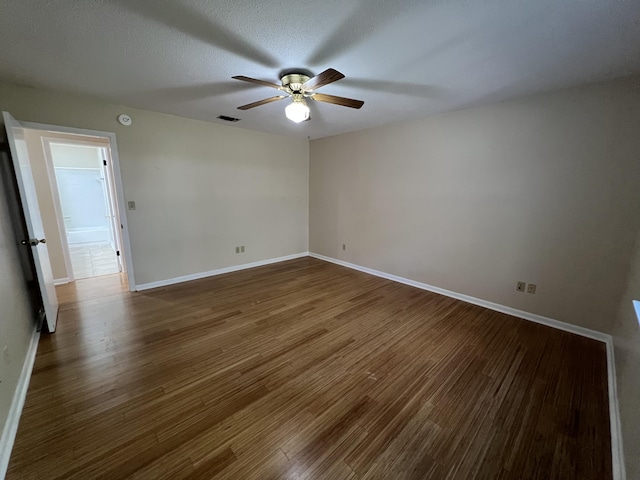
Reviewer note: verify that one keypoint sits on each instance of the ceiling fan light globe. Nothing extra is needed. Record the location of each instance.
(297, 112)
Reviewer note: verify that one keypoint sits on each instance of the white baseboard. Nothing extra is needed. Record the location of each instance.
(220, 271)
(617, 450)
(11, 425)
(61, 281)
(617, 455)
(567, 327)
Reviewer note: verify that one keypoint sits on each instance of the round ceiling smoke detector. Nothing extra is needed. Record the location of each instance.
(124, 119)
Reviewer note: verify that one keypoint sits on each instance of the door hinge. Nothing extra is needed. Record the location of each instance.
(104, 162)
(118, 253)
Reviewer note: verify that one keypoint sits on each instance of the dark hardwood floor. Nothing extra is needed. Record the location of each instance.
(307, 370)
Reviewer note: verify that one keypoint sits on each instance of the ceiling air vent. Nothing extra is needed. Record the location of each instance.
(228, 119)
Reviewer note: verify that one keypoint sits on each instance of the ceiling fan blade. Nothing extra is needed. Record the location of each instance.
(262, 102)
(259, 82)
(325, 78)
(345, 102)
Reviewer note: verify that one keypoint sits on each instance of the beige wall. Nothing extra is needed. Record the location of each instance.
(200, 188)
(626, 336)
(542, 189)
(16, 316)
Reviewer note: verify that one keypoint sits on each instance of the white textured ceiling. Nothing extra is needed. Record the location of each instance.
(404, 58)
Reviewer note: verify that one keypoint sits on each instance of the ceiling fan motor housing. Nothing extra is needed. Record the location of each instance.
(294, 81)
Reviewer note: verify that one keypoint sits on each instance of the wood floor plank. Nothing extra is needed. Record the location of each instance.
(307, 370)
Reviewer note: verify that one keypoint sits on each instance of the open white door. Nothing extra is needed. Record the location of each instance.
(36, 240)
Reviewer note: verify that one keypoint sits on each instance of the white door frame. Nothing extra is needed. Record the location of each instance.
(120, 202)
(112, 207)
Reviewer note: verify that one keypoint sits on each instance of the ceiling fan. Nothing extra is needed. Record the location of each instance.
(299, 86)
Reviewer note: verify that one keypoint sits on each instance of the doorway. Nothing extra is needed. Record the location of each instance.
(84, 222)
(87, 204)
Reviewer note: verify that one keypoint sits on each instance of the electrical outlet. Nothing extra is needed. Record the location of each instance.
(344, 246)
(242, 249)
(131, 205)
(520, 286)
(531, 288)
(237, 249)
